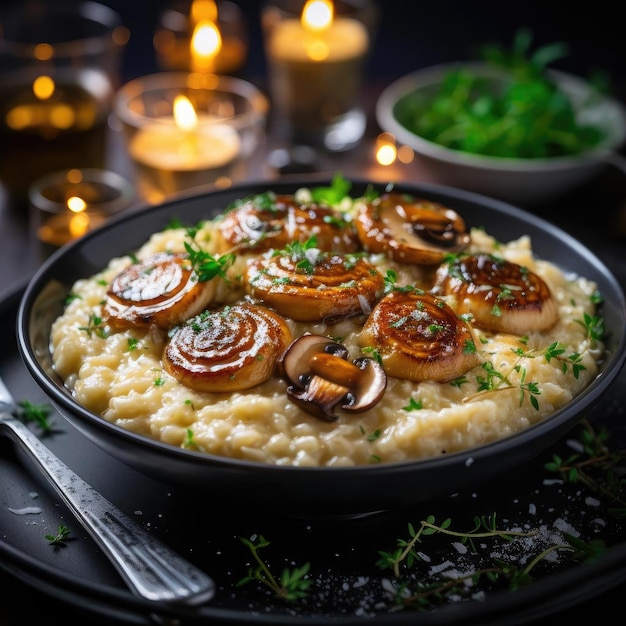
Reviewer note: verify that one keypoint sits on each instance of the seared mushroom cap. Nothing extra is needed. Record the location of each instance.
(502, 296)
(272, 221)
(411, 230)
(322, 378)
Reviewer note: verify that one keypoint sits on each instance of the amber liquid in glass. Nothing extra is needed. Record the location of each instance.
(66, 130)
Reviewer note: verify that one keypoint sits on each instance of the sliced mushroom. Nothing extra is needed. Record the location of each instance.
(272, 221)
(411, 230)
(231, 349)
(163, 290)
(314, 285)
(322, 378)
(502, 296)
(420, 337)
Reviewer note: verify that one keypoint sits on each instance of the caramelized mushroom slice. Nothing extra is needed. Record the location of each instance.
(270, 221)
(163, 290)
(322, 378)
(307, 284)
(411, 230)
(501, 296)
(419, 337)
(234, 348)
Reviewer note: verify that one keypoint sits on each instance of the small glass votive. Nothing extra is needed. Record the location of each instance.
(67, 204)
(202, 35)
(316, 54)
(187, 130)
(59, 69)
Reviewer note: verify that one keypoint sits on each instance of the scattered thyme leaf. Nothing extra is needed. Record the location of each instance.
(61, 536)
(37, 413)
(292, 585)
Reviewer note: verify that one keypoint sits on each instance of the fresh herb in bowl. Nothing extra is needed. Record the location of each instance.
(515, 109)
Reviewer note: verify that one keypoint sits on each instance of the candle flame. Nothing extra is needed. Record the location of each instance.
(386, 151)
(79, 225)
(43, 87)
(317, 15)
(184, 114)
(76, 204)
(203, 10)
(206, 42)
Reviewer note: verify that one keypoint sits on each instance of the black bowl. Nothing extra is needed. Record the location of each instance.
(311, 491)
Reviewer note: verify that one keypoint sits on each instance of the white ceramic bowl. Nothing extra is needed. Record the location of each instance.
(519, 181)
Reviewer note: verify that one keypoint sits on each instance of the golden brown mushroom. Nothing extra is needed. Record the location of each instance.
(419, 337)
(410, 230)
(322, 379)
(272, 221)
(234, 348)
(163, 290)
(500, 295)
(307, 284)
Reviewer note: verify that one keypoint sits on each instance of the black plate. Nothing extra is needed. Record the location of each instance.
(306, 491)
(348, 587)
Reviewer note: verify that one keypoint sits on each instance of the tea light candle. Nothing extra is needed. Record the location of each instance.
(315, 65)
(203, 36)
(68, 204)
(172, 153)
(319, 37)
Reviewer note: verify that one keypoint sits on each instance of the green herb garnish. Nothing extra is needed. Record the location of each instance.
(517, 111)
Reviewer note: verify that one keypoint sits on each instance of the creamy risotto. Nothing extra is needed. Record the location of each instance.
(518, 379)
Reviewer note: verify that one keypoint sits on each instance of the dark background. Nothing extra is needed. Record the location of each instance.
(414, 34)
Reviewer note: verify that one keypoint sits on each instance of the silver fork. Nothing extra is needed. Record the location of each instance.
(151, 569)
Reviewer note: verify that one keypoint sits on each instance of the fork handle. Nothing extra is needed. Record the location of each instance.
(151, 569)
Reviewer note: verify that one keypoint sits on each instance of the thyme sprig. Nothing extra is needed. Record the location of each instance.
(95, 326)
(494, 380)
(609, 466)
(38, 413)
(61, 536)
(405, 556)
(406, 553)
(292, 585)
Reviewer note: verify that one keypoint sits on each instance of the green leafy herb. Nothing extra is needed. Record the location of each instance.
(292, 584)
(206, 265)
(95, 327)
(420, 593)
(598, 468)
(37, 413)
(518, 112)
(61, 536)
(333, 195)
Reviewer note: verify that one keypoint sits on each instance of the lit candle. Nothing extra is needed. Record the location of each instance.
(206, 39)
(211, 37)
(68, 204)
(316, 64)
(184, 150)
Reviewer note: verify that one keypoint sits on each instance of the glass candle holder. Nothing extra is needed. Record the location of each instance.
(59, 68)
(223, 51)
(67, 204)
(316, 55)
(186, 130)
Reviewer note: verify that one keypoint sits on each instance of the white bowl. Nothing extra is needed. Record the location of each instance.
(519, 181)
